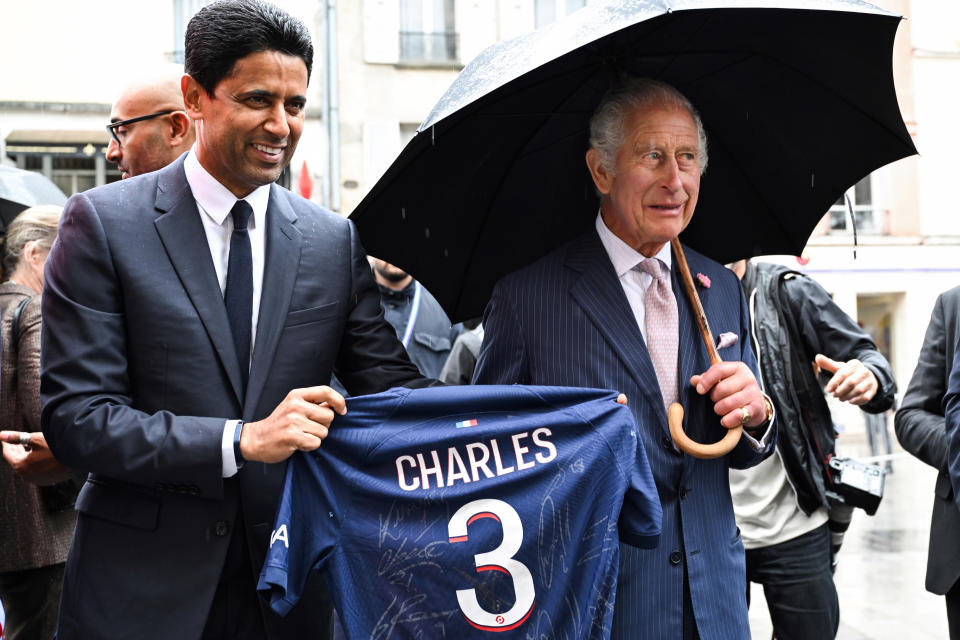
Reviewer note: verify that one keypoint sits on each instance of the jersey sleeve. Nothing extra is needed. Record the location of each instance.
(641, 515)
(306, 530)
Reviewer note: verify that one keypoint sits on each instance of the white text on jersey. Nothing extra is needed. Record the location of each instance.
(478, 456)
(281, 535)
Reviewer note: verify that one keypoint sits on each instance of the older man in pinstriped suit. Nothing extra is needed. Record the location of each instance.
(584, 316)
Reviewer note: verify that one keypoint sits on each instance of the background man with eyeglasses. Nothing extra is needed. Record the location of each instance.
(148, 127)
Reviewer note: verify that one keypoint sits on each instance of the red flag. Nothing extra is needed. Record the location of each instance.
(305, 184)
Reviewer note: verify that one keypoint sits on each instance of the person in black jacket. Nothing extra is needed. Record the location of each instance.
(921, 429)
(421, 323)
(781, 504)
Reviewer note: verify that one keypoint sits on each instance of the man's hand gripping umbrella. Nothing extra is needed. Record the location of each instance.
(675, 412)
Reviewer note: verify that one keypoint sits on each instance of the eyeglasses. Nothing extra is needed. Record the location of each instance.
(113, 126)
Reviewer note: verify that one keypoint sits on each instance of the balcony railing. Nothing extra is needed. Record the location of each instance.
(418, 47)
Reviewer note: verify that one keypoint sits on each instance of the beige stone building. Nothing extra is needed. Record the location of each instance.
(388, 61)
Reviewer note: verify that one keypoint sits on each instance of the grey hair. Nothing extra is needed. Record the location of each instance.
(36, 224)
(607, 121)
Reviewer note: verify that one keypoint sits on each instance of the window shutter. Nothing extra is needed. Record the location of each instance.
(476, 22)
(381, 146)
(516, 17)
(381, 31)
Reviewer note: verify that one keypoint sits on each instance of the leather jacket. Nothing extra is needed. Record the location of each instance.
(792, 319)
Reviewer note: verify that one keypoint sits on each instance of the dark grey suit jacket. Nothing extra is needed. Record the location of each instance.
(565, 320)
(140, 373)
(920, 427)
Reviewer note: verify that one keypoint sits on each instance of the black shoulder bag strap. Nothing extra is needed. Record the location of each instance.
(15, 333)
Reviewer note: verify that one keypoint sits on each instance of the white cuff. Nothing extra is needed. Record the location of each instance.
(226, 449)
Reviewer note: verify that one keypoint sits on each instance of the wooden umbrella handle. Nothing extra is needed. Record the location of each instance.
(675, 412)
(691, 446)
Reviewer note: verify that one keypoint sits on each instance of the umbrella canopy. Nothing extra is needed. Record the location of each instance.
(21, 189)
(797, 98)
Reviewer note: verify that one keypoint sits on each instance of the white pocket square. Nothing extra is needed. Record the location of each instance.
(725, 340)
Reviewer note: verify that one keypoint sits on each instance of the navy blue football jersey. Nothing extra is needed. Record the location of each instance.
(461, 512)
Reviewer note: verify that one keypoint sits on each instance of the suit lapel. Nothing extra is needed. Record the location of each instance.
(279, 276)
(182, 234)
(690, 339)
(600, 295)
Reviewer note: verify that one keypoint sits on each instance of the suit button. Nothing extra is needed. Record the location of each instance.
(667, 444)
(683, 493)
(675, 557)
(221, 528)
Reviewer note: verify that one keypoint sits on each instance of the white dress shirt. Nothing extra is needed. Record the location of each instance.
(634, 281)
(215, 202)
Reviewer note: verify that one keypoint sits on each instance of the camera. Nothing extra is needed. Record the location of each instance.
(856, 483)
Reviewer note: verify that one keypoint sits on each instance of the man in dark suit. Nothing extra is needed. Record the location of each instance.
(586, 314)
(189, 315)
(921, 429)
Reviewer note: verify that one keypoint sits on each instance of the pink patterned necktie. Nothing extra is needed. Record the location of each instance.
(660, 318)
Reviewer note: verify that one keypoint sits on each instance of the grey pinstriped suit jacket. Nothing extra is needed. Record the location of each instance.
(565, 321)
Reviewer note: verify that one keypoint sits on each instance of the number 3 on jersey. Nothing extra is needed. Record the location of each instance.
(500, 559)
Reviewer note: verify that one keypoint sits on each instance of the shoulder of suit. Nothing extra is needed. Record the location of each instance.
(137, 187)
(121, 200)
(951, 294)
(549, 267)
(718, 274)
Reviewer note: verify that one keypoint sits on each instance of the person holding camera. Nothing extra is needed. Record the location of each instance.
(791, 529)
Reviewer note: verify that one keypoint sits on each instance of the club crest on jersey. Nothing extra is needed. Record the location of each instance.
(467, 423)
(280, 534)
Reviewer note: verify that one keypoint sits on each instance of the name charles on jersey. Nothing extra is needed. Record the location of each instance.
(466, 463)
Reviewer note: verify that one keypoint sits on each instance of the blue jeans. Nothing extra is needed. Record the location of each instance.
(798, 586)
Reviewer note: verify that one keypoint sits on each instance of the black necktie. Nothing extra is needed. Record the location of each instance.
(239, 291)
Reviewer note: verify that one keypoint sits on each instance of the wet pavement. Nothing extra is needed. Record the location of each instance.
(883, 562)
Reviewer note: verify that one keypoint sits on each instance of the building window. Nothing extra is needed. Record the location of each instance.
(74, 160)
(547, 11)
(407, 131)
(183, 10)
(71, 174)
(861, 200)
(427, 32)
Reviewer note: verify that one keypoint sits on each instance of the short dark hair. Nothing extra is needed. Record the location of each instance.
(227, 30)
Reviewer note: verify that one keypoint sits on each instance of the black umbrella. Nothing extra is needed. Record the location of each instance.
(21, 189)
(797, 98)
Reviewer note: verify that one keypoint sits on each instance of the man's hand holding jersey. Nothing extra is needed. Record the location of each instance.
(299, 423)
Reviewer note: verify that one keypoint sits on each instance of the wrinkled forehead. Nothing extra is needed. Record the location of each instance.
(660, 124)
